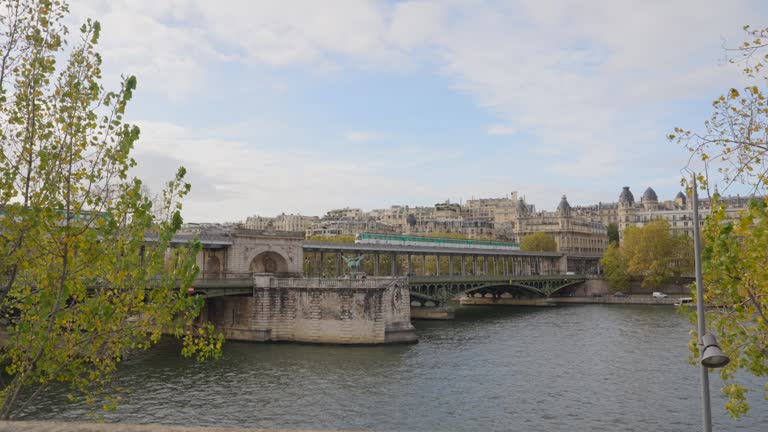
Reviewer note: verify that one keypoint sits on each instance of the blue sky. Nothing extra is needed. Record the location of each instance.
(304, 106)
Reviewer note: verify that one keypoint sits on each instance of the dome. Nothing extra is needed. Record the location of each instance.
(650, 195)
(626, 196)
(563, 206)
(522, 208)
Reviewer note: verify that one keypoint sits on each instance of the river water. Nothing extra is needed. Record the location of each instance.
(575, 368)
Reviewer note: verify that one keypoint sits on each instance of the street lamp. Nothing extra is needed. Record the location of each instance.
(711, 355)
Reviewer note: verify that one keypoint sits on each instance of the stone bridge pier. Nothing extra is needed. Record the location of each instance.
(255, 291)
(314, 310)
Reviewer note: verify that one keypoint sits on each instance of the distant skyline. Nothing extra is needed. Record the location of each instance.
(305, 106)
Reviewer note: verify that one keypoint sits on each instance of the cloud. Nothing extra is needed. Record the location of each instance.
(357, 136)
(233, 179)
(587, 84)
(498, 129)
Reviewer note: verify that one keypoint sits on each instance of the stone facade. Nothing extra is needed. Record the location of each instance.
(508, 218)
(283, 222)
(337, 311)
(250, 251)
(574, 233)
(678, 211)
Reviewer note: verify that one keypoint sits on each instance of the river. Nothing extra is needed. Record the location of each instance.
(574, 368)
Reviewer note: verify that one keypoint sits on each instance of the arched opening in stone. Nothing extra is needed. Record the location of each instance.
(269, 262)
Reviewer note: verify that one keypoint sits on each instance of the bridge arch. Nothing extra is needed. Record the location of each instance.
(269, 262)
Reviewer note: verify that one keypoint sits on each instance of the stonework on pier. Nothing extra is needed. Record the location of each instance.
(315, 310)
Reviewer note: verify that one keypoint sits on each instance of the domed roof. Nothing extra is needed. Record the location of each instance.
(522, 207)
(626, 196)
(650, 195)
(563, 206)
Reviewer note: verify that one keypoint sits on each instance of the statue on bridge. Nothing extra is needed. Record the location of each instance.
(354, 264)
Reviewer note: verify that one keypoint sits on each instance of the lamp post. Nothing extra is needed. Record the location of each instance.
(710, 354)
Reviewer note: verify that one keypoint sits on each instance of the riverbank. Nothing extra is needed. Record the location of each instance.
(554, 301)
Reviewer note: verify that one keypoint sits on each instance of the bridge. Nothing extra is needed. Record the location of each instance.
(287, 253)
(430, 290)
(424, 291)
(229, 260)
(261, 286)
(325, 259)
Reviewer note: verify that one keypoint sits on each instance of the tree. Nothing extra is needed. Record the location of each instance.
(538, 242)
(732, 149)
(651, 252)
(79, 285)
(614, 266)
(613, 233)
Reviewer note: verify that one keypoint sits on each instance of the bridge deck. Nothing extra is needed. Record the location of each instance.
(494, 278)
(419, 250)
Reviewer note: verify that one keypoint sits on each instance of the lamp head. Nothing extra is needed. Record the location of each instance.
(711, 355)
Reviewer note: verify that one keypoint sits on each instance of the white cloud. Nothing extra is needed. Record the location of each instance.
(234, 179)
(357, 136)
(587, 82)
(498, 129)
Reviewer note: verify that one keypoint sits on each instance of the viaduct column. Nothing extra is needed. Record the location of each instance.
(316, 265)
(437, 265)
(423, 265)
(485, 265)
(393, 270)
(376, 264)
(463, 265)
(450, 265)
(338, 264)
(410, 267)
(474, 265)
(322, 263)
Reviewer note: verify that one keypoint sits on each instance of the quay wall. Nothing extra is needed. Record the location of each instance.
(600, 286)
(554, 301)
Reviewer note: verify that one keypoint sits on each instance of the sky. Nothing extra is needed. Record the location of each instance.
(305, 106)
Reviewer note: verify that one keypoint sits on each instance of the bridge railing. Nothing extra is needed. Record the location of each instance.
(472, 278)
(224, 275)
(366, 283)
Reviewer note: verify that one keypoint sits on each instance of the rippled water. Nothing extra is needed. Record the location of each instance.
(578, 368)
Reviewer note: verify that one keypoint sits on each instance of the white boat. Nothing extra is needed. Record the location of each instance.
(684, 301)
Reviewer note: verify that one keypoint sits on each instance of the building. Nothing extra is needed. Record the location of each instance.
(339, 227)
(282, 222)
(678, 211)
(573, 232)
